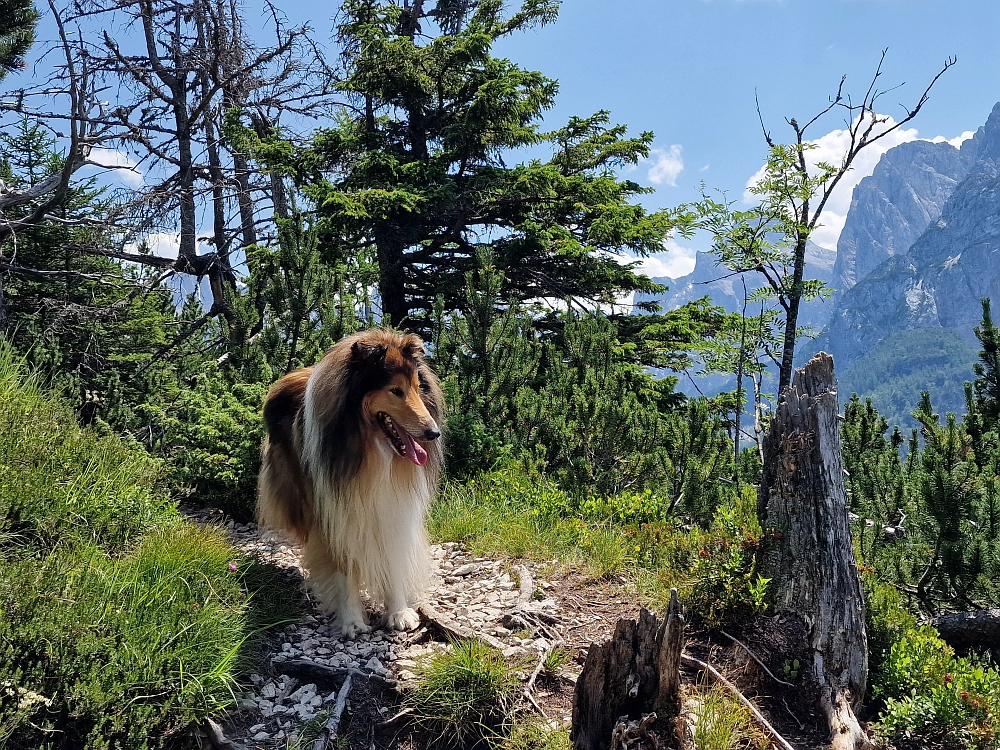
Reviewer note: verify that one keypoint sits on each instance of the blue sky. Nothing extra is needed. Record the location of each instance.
(688, 70)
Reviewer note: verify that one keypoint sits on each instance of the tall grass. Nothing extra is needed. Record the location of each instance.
(509, 512)
(62, 484)
(120, 623)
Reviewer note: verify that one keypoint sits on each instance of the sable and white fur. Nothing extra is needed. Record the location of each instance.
(349, 466)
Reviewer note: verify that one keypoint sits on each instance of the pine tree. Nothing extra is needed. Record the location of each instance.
(87, 323)
(18, 19)
(982, 396)
(415, 177)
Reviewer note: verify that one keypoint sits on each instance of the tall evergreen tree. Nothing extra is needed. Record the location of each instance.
(415, 174)
(17, 33)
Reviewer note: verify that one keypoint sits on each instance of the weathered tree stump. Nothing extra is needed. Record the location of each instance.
(808, 554)
(632, 675)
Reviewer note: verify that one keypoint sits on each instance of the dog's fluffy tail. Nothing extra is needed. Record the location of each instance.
(284, 491)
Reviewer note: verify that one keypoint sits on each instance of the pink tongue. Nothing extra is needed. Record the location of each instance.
(416, 453)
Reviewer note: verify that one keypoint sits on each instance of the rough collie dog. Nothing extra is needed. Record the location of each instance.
(349, 465)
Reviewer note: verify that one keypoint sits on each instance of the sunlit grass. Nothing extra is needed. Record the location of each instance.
(464, 696)
(120, 623)
(507, 513)
(721, 722)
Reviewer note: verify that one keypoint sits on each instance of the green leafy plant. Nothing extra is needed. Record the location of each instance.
(935, 698)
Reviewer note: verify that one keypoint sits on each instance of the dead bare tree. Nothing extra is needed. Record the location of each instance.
(771, 238)
(174, 72)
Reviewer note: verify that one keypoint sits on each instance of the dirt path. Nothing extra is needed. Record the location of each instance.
(558, 610)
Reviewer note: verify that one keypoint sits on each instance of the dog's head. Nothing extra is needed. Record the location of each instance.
(402, 400)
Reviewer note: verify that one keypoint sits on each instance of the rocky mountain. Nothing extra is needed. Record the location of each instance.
(893, 206)
(939, 281)
(707, 280)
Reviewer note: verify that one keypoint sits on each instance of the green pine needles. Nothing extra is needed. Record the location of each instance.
(929, 515)
(18, 19)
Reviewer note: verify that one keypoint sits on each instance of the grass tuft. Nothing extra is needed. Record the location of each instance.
(464, 696)
(723, 723)
(535, 734)
(554, 661)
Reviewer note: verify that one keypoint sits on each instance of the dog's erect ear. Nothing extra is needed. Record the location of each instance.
(367, 353)
(413, 347)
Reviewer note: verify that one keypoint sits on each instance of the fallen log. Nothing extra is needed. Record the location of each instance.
(979, 627)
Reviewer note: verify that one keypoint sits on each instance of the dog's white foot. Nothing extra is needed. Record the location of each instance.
(404, 619)
(352, 623)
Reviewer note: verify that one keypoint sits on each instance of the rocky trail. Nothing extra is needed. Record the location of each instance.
(526, 610)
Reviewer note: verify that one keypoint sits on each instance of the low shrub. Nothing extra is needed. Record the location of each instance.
(887, 622)
(934, 699)
(464, 696)
(210, 440)
(120, 623)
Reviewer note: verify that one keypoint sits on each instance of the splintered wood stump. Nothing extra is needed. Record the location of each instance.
(808, 554)
(633, 674)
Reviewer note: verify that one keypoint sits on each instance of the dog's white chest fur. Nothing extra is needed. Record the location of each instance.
(375, 525)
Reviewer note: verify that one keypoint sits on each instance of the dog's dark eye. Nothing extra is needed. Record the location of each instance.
(396, 392)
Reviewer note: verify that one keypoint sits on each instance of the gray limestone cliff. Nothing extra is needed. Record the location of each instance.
(893, 206)
(941, 278)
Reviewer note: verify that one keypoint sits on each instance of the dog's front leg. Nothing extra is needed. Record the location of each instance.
(399, 615)
(350, 610)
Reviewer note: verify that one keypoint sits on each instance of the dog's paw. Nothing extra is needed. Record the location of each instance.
(404, 619)
(352, 624)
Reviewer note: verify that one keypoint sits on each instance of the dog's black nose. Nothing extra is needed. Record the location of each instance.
(432, 434)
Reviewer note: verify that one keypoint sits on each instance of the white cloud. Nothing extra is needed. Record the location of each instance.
(161, 244)
(675, 262)
(831, 148)
(668, 165)
(123, 166)
(957, 141)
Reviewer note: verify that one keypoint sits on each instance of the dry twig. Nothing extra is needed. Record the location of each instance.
(753, 656)
(329, 732)
(780, 741)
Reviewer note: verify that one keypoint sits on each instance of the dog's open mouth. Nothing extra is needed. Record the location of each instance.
(401, 441)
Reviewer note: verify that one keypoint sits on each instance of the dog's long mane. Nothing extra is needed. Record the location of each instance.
(326, 471)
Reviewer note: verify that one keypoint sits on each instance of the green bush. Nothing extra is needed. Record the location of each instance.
(56, 480)
(886, 622)
(211, 436)
(935, 699)
(120, 623)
